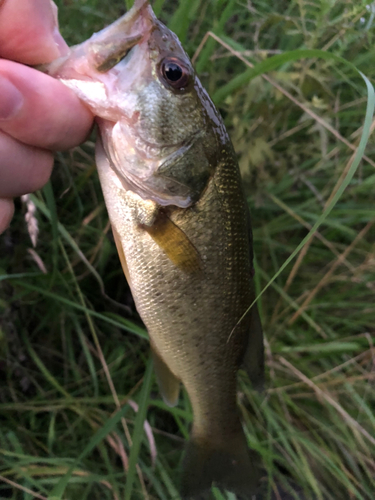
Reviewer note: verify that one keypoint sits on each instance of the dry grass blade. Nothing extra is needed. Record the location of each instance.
(294, 130)
(318, 235)
(287, 94)
(37, 259)
(149, 434)
(330, 272)
(106, 372)
(30, 218)
(115, 442)
(345, 171)
(303, 252)
(22, 488)
(324, 396)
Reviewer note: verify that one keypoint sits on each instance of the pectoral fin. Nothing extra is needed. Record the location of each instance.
(253, 361)
(169, 385)
(175, 244)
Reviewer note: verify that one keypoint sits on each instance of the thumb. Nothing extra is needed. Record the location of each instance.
(29, 31)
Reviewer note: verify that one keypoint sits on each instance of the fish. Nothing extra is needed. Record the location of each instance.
(181, 225)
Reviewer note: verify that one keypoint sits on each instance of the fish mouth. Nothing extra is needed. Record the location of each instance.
(109, 46)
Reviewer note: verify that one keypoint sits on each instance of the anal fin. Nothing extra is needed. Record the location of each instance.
(169, 384)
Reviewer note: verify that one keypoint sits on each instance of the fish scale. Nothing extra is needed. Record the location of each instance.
(191, 318)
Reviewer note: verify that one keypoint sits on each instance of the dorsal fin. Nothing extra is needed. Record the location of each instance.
(253, 360)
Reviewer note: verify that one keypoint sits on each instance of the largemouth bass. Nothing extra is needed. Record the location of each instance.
(181, 225)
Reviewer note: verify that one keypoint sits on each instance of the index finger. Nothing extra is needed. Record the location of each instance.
(29, 31)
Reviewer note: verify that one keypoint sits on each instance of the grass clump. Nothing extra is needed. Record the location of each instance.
(73, 353)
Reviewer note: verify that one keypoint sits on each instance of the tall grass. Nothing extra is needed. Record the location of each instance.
(73, 352)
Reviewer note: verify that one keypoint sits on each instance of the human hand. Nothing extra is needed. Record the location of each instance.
(38, 114)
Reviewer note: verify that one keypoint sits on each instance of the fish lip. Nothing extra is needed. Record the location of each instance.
(110, 45)
(140, 21)
(141, 11)
(137, 8)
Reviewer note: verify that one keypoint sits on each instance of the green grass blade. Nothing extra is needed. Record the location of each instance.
(312, 426)
(65, 234)
(275, 62)
(121, 323)
(51, 204)
(210, 45)
(180, 21)
(158, 7)
(46, 373)
(88, 356)
(344, 184)
(58, 491)
(138, 429)
(129, 4)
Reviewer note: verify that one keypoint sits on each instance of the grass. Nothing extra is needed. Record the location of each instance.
(73, 352)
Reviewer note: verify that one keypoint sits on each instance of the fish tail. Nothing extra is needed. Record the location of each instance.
(226, 463)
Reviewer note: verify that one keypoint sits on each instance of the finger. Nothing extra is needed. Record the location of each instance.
(29, 31)
(38, 110)
(6, 213)
(23, 169)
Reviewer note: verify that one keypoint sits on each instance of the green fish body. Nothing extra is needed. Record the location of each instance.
(173, 191)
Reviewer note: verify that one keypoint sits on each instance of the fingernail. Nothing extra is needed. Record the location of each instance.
(11, 99)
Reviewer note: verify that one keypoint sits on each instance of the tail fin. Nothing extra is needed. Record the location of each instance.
(229, 464)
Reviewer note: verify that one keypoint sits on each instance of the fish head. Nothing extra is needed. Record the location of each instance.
(159, 128)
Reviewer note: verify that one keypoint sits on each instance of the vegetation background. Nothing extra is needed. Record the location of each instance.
(73, 353)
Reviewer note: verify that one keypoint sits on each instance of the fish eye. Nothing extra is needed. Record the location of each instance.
(175, 74)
